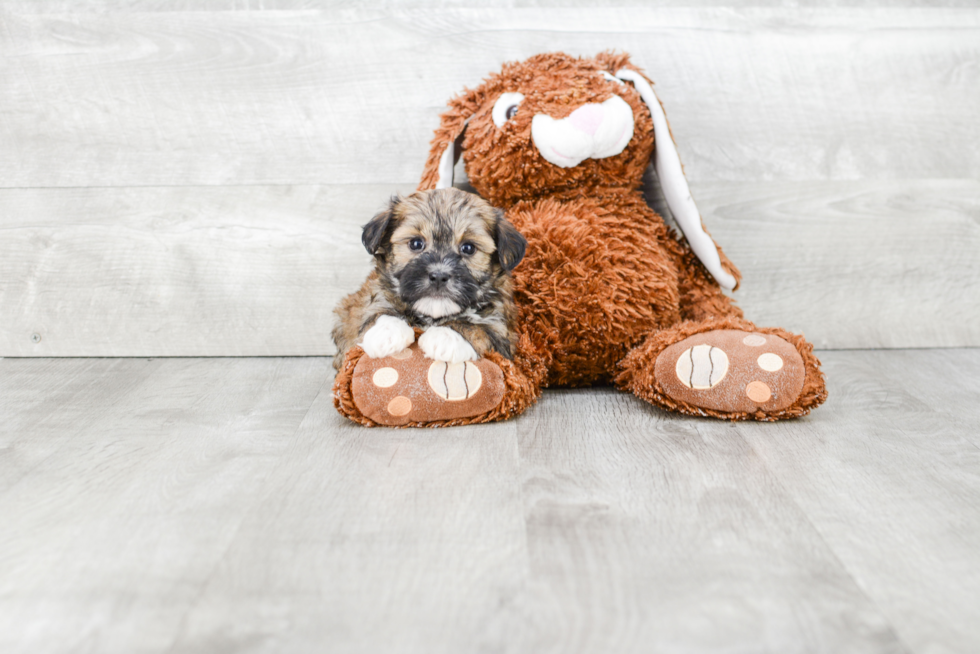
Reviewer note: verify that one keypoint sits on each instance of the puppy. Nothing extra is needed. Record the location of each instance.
(442, 262)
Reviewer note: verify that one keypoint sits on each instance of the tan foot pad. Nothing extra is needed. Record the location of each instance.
(407, 387)
(730, 370)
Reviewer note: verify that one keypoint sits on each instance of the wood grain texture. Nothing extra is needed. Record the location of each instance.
(257, 270)
(46, 403)
(217, 505)
(855, 264)
(189, 180)
(372, 541)
(889, 474)
(26, 7)
(133, 496)
(648, 533)
(179, 271)
(351, 96)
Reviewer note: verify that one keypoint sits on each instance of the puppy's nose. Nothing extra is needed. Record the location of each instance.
(439, 277)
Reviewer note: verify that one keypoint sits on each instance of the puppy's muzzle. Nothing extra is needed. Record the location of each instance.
(440, 275)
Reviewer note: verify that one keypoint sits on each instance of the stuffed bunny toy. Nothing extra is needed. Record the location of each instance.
(607, 292)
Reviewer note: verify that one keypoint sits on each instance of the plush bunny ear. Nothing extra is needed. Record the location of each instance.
(447, 162)
(447, 144)
(674, 184)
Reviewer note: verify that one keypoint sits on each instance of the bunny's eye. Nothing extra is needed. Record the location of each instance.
(506, 107)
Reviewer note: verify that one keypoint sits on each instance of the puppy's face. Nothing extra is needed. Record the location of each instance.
(442, 251)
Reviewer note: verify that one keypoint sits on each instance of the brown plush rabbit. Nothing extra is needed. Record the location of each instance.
(607, 293)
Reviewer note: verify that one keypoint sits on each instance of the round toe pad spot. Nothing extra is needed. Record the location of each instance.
(454, 381)
(399, 406)
(758, 392)
(769, 361)
(701, 366)
(385, 377)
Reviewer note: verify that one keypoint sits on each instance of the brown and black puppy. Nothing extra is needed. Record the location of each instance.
(442, 262)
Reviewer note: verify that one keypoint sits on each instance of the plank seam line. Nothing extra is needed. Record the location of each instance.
(192, 605)
(816, 530)
(117, 398)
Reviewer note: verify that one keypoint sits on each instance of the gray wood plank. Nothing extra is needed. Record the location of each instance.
(257, 270)
(45, 403)
(647, 532)
(179, 271)
(31, 8)
(222, 505)
(888, 471)
(870, 264)
(239, 97)
(109, 540)
(373, 540)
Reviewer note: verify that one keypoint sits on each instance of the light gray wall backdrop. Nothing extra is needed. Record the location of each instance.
(189, 178)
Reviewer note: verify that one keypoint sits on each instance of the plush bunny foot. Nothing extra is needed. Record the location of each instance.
(732, 371)
(409, 389)
(747, 373)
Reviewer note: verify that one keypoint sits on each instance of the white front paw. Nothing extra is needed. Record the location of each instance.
(388, 335)
(445, 344)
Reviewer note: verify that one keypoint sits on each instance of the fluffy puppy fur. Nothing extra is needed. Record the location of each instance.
(442, 262)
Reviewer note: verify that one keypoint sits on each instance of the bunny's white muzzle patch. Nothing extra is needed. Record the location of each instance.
(593, 131)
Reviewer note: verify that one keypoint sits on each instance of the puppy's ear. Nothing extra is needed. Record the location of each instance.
(510, 243)
(375, 231)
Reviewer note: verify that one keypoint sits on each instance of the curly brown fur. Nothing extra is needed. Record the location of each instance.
(607, 285)
(602, 267)
(442, 258)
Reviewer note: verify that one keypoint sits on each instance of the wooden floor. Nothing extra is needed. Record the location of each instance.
(189, 177)
(222, 505)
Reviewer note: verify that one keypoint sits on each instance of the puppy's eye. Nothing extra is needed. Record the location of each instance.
(468, 249)
(505, 107)
(416, 244)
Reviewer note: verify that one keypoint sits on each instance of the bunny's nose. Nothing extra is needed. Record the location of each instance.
(587, 118)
